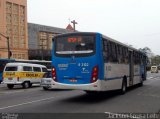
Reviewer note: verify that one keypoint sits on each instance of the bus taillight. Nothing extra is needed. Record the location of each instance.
(94, 76)
(54, 77)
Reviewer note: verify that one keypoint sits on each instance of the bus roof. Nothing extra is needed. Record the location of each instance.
(105, 37)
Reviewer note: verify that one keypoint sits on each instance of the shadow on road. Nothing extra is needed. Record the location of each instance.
(18, 87)
(99, 96)
(93, 98)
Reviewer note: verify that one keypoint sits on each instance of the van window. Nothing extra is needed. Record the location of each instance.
(44, 70)
(27, 68)
(12, 68)
(37, 69)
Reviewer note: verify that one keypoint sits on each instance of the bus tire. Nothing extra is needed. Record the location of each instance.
(123, 87)
(10, 86)
(26, 84)
(45, 88)
(141, 81)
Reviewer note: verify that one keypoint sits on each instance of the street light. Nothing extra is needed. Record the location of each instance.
(9, 52)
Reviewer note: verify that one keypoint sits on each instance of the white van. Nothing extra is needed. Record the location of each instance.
(154, 69)
(24, 74)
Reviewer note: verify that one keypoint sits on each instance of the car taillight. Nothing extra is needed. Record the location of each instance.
(94, 76)
(54, 77)
(17, 78)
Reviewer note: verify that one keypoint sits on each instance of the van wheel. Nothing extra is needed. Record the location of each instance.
(124, 87)
(30, 85)
(10, 86)
(26, 84)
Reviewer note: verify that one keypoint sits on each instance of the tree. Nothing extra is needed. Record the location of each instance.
(156, 60)
(148, 52)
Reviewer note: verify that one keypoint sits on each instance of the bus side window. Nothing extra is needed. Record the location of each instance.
(109, 49)
(105, 50)
(126, 56)
(119, 54)
(114, 52)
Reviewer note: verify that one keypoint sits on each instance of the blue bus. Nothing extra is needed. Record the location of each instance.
(93, 62)
(3, 62)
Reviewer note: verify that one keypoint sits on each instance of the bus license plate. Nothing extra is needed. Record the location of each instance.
(73, 80)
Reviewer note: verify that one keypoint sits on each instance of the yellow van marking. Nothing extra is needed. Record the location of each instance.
(23, 74)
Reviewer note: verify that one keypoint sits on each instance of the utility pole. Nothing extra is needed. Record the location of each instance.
(9, 52)
(74, 23)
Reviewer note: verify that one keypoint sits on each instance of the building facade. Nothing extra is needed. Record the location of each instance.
(40, 40)
(13, 24)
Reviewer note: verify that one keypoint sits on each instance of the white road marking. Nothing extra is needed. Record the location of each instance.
(26, 103)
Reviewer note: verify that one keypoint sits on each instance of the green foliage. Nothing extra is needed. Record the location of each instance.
(155, 60)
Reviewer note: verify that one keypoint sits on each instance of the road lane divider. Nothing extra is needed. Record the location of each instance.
(25, 103)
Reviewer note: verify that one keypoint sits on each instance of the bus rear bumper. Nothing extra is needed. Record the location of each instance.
(90, 87)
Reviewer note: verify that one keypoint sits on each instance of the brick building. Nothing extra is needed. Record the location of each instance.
(13, 24)
(26, 40)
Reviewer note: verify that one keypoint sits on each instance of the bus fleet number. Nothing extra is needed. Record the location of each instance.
(83, 64)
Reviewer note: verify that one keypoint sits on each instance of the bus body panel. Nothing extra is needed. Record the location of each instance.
(70, 75)
(69, 69)
(78, 70)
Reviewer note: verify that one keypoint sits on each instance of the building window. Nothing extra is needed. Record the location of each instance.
(43, 40)
(15, 8)
(8, 7)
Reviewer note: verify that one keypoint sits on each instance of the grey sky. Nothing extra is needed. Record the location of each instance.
(134, 22)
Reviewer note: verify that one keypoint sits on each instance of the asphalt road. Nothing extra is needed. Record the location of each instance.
(144, 99)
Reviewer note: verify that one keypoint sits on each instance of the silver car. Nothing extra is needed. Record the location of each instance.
(47, 82)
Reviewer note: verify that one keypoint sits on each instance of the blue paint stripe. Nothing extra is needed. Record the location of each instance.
(113, 78)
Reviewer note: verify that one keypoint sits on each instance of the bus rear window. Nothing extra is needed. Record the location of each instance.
(13, 68)
(75, 45)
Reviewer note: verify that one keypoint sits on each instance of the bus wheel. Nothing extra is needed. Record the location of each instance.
(26, 84)
(45, 88)
(141, 82)
(124, 87)
(10, 86)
